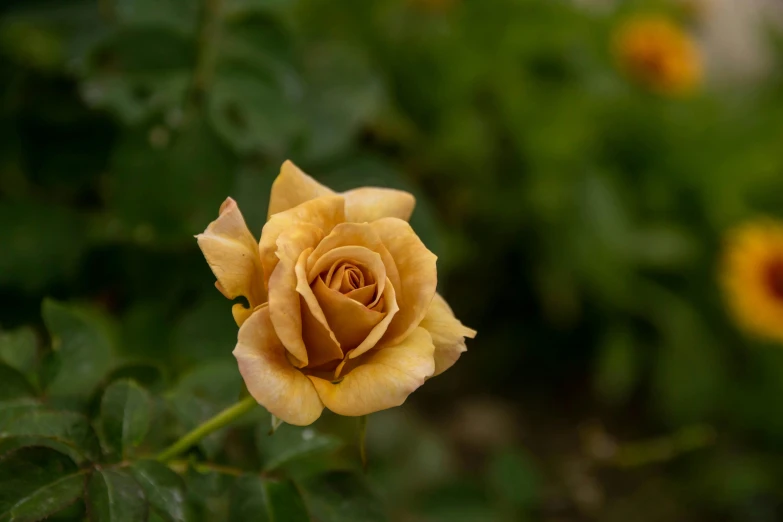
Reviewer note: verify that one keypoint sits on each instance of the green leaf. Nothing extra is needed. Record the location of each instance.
(343, 93)
(50, 498)
(617, 367)
(164, 489)
(135, 98)
(36, 482)
(261, 43)
(203, 393)
(148, 375)
(125, 416)
(289, 443)
(146, 51)
(342, 496)
(207, 493)
(179, 15)
(11, 409)
(84, 350)
(114, 496)
(68, 428)
(14, 385)
(10, 444)
(251, 112)
(18, 349)
(266, 500)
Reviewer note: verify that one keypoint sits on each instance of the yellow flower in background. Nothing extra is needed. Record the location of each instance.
(343, 312)
(752, 276)
(659, 54)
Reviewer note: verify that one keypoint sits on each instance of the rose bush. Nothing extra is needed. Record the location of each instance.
(342, 305)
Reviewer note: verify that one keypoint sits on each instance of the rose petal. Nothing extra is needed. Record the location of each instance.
(350, 320)
(366, 204)
(293, 187)
(354, 254)
(323, 213)
(334, 278)
(232, 254)
(448, 334)
(322, 345)
(363, 295)
(353, 278)
(387, 303)
(270, 377)
(383, 379)
(283, 297)
(357, 234)
(417, 271)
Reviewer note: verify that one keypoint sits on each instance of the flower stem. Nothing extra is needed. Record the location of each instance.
(222, 419)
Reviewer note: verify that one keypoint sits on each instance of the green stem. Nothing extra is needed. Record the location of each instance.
(181, 466)
(222, 419)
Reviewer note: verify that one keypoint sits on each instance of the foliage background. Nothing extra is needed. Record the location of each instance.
(577, 217)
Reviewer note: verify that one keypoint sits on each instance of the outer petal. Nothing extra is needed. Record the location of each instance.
(417, 271)
(370, 203)
(383, 379)
(448, 334)
(283, 298)
(293, 187)
(232, 254)
(270, 378)
(323, 213)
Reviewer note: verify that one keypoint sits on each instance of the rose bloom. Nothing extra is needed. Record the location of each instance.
(343, 312)
(752, 277)
(658, 54)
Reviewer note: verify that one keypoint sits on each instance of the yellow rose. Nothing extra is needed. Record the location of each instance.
(343, 312)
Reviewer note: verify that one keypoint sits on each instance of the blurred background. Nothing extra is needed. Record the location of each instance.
(577, 165)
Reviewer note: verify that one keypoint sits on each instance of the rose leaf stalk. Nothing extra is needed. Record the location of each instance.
(221, 420)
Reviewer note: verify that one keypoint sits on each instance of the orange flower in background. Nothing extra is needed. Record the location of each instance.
(659, 54)
(752, 276)
(343, 312)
